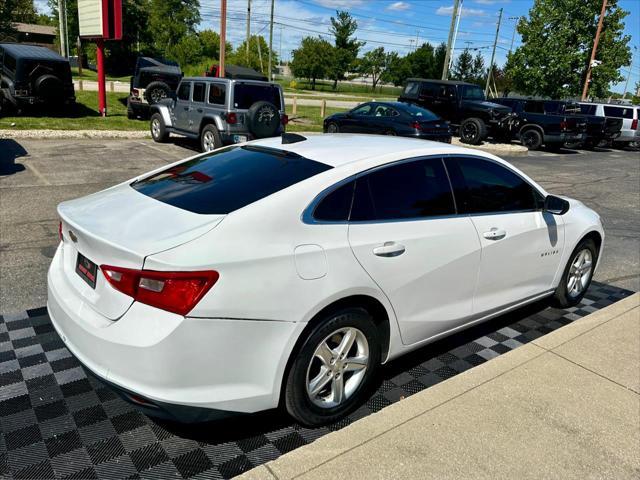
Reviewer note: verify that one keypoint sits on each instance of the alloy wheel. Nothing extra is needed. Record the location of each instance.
(579, 273)
(208, 142)
(337, 367)
(157, 94)
(155, 128)
(469, 131)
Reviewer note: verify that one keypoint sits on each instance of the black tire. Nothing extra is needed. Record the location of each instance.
(531, 138)
(332, 127)
(158, 129)
(49, 88)
(263, 119)
(473, 131)
(562, 297)
(210, 138)
(156, 92)
(297, 400)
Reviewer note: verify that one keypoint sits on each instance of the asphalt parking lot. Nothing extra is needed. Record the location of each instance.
(36, 175)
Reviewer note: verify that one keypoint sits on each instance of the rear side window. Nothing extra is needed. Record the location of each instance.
(407, 190)
(184, 91)
(588, 109)
(217, 93)
(534, 107)
(246, 94)
(228, 179)
(336, 205)
(198, 92)
(411, 89)
(482, 186)
(614, 112)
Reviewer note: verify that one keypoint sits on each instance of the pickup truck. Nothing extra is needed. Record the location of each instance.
(600, 130)
(536, 128)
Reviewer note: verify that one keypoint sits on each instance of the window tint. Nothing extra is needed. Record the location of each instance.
(430, 90)
(421, 113)
(533, 107)
(184, 90)
(228, 179)
(408, 190)
(198, 92)
(217, 92)
(246, 94)
(588, 109)
(473, 92)
(622, 112)
(335, 206)
(363, 110)
(411, 88)
(482, 186)
(385, 111)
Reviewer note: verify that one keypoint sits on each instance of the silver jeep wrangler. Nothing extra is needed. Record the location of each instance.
(220, 111)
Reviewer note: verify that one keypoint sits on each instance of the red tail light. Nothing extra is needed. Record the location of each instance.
(232, 118)
(563, 125)
(416, 125)
(285, 119)
(634, 124)
(176, 292)
(135, 92)
(60, 235)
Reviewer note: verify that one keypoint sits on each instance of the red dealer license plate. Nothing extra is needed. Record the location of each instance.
(87, 270)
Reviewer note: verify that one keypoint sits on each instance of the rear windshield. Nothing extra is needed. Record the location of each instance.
(420, 113)
(228, 179)
(246, 94)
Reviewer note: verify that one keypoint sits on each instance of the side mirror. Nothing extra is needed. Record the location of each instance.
(556, 205)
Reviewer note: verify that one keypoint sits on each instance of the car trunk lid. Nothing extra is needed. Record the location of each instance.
(120, 227)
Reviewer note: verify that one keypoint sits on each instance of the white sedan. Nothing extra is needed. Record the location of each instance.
(286, 270)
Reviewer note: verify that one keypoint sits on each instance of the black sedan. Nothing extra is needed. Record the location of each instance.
(390, 118)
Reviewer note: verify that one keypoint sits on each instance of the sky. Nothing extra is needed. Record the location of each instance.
(395, 24)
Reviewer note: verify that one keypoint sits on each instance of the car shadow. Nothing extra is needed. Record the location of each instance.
(75, 110)
(10, 150)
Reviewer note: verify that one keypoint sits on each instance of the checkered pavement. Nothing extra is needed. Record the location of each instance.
(58, 421)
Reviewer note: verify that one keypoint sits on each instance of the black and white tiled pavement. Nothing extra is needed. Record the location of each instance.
(58, 421)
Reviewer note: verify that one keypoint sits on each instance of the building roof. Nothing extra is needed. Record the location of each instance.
(35, 29)
(31, 52)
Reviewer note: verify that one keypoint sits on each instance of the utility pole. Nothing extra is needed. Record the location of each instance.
(223, 36)
(450, 41)
(417, 38)
(280, 49)
(271, 42)
(626, 84)
(248, 28)
(515, 29)
(62, 30)
(587, 77)
(493, 54)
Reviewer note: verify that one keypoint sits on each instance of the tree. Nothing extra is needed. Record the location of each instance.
(170, 21)
(463, 67)
(478, 72)
(258, 54)
(24, 11)
(398, 69)
(312, 59)
(210, 41)
(557, 39)
(343, 26)
(426, 62)
(7, 32)
(374, 63)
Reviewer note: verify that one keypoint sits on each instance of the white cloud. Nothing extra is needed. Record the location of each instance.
(399, 6)
(466, 12)
(339, 3)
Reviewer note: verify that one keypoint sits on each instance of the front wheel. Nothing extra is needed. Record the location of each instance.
(158, 130)
(473, 131)
(334, 369)
(577, 275)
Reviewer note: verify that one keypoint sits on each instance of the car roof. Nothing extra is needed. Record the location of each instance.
(229, 80)
(31, 52)
(341, 149)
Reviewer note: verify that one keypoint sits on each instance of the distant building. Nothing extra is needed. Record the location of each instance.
(42, 35)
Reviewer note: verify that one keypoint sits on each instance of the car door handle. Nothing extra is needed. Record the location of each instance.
(200, 110)
(495, 234)
(389, 249)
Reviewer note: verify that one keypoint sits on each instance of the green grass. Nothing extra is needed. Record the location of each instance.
(308, 118)
(343, 88)
(85, 116)
(93, 76)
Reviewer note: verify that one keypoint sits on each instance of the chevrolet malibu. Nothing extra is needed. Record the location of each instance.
(285, 271)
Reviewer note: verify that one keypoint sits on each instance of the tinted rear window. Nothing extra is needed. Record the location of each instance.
(246, 94)
(229, 179)
(622, 112)
(588, 109)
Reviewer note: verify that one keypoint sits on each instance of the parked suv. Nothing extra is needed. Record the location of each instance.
(153, 80)
(629, 114)
(536, 127)
(462, 104)
(220, 111)
(34, 76)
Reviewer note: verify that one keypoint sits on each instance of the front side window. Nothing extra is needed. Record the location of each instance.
(407, 190)
(198, 92)
(472, 92)
(483, 186)
(217, 93)
(184, 91)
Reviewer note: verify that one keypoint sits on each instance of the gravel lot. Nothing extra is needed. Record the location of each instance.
(36, 175)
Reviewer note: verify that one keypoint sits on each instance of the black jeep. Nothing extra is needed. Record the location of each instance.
(153, 80)
(34, 76)
(463, 105)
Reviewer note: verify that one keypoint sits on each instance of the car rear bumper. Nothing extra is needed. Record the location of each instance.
(170, 361)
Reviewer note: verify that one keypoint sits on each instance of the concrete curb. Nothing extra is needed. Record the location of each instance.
(500, 149)
(73, 134)
(335, 444)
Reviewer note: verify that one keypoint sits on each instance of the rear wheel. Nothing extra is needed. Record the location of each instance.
(473, 131)
(531, 138)
(334, 369)
(158, 130)
(210, 138)
(333, 128)
(577, 275)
